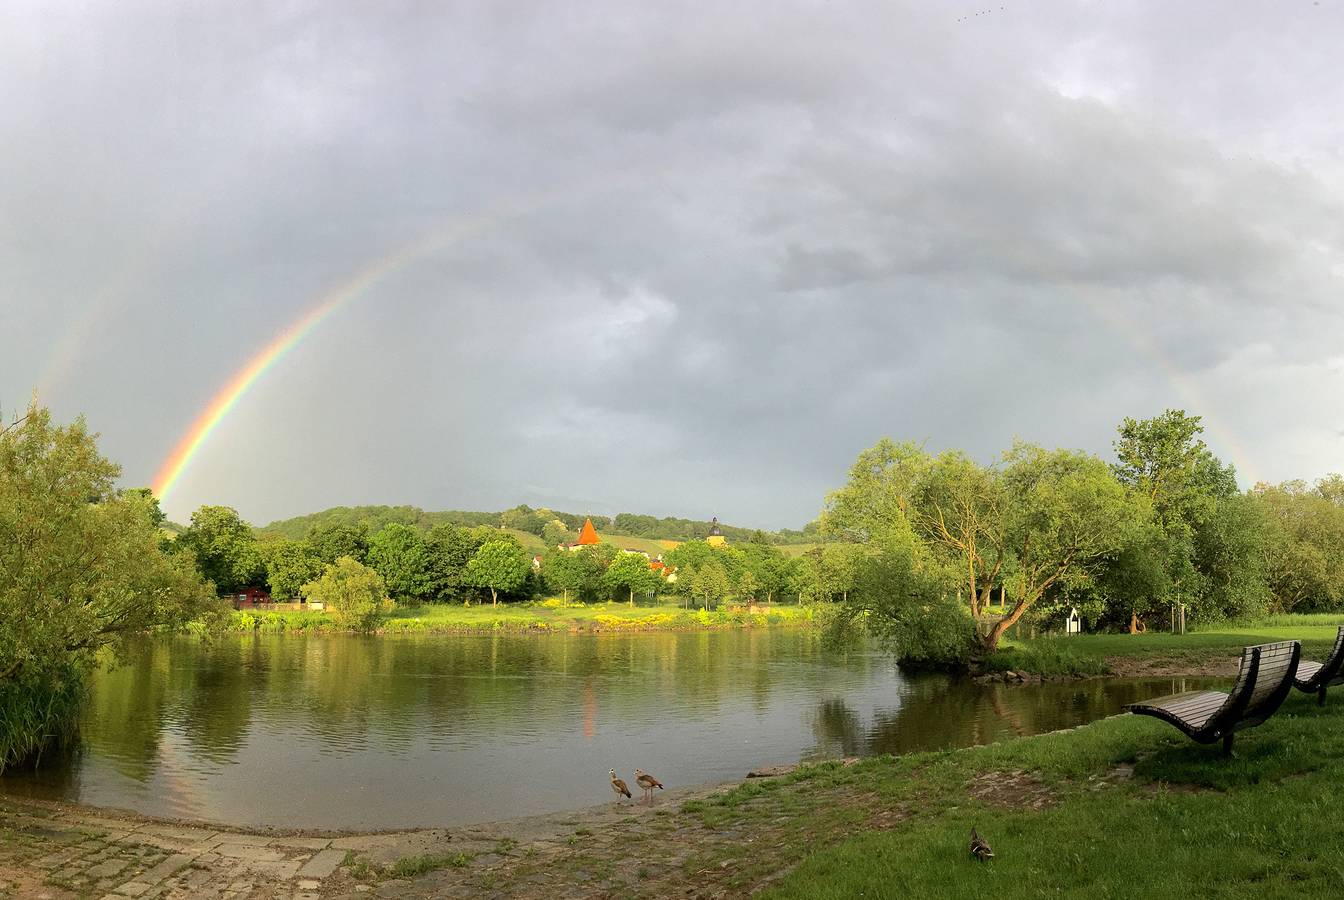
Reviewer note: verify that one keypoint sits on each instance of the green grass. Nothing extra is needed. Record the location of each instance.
(537, 617)
(410, 866)
(1048, 657)
(1087, 653)
(362, 869)
(1188, 822)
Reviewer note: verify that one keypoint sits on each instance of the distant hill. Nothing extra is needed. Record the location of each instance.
(372, 518)
(628, 530)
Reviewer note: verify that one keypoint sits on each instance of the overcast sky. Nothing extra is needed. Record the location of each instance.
(680, 259)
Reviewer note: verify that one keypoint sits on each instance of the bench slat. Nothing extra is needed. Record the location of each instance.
(1265, 676)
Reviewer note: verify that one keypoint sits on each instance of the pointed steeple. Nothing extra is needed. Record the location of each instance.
(588, 536)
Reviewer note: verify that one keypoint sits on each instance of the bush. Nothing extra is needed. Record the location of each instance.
(354, 594)
(904, 601)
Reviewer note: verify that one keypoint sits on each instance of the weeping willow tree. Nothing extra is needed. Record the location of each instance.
(81, 569)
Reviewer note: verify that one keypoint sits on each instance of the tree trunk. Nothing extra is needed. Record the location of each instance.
(990, 642)
(566, 596)
(632, 596)
(494, 598)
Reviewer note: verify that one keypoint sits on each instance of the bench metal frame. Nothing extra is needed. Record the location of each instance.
(1206, 716)
(1314, 677)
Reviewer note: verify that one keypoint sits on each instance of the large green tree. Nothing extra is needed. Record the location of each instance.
(1041, 522)
(332, 540)
(398, 553)
(630, 572)
(1068, 517)
(1165, 460)
(81, 567)
(564, 570)
(499, 566)
(450, 549)
(289, 566)
(767, 566)
(1303, 546)
(711, 583)
(224, 549)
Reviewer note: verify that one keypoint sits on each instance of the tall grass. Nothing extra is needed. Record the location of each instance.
(1046, 656)
(39, 714)
(1288, 620)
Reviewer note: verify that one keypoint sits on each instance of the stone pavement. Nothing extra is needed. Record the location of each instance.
(54, 851)
(57, 852)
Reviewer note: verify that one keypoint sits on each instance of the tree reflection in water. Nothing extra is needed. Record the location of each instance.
(382, 732)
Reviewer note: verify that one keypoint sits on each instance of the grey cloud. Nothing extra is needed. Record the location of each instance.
(692, 260)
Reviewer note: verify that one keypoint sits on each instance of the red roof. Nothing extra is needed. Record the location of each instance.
(588, 536)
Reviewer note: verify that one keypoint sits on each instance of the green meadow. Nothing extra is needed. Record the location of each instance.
(1092, 654)
(544, 616)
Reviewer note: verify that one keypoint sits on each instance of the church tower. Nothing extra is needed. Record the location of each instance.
(716, 538)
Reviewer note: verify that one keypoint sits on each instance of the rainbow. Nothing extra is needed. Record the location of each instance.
(366, 278)
(237, 387)
(228, 396)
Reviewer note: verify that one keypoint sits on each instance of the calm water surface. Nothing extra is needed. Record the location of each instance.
(383, 732)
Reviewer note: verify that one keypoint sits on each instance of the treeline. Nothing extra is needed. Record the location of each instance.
(552, 526)
(448, 563)
(956, 552)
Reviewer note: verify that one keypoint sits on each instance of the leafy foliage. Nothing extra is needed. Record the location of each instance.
(352, 593)
(498, 566)
(224, 548)
(399, 554)
(630, 572)
(81, 568)
(289, 566)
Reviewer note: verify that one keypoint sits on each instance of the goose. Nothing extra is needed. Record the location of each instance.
(979, 848)
(648, 783)
(620, 787)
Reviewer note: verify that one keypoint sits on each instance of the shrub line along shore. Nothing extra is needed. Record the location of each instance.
(539, 618)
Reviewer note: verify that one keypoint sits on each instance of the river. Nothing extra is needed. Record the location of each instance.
(350, 732)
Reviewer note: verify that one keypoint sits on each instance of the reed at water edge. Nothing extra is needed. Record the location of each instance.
(39, 714)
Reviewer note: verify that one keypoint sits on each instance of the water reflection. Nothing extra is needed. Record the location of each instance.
(344, 731)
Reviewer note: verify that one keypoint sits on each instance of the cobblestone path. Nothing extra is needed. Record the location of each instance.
(55, 852)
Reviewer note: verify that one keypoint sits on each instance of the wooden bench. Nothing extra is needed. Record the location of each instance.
(1314, 677)
(1263, 681)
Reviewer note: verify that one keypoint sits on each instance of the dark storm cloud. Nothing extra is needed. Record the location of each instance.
(701, 257)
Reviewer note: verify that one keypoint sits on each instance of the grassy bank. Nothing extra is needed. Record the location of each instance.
(1092, 654)
(538, 617)
(1123, 807)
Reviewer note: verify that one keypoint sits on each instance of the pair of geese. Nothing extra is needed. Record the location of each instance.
(642, 778)
(980, 848)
